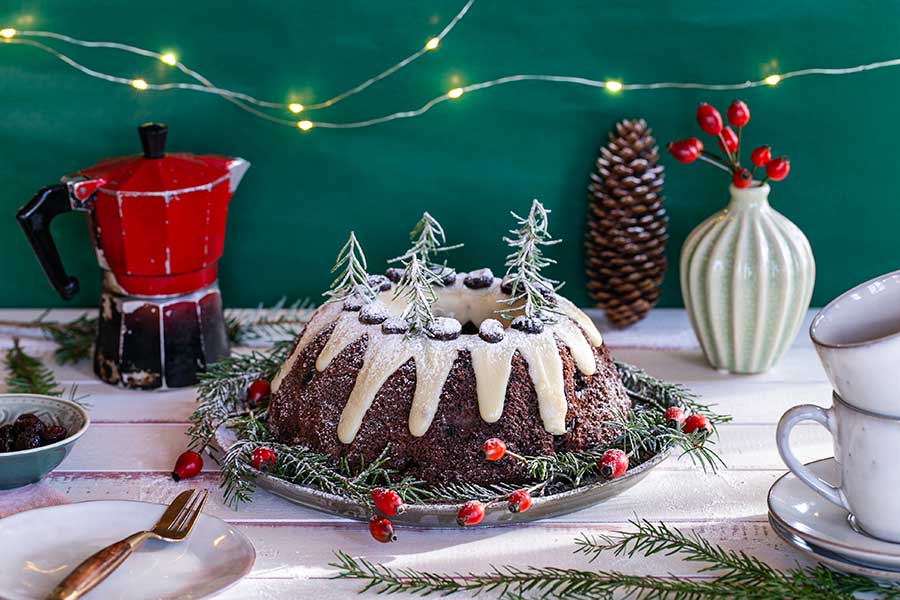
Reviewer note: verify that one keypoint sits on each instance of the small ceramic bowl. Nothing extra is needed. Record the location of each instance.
(28, 466)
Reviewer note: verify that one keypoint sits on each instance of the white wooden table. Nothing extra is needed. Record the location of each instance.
(135, 437)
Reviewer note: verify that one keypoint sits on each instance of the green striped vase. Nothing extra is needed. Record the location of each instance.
(747, 276)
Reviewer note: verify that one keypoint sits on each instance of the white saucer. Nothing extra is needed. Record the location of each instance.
(831, 559)
(803, 513)
(40, 547)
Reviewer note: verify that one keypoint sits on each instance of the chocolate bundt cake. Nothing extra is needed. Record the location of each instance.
(355, 383)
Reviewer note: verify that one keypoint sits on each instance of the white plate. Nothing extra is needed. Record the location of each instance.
(804, 513)
(831, 559)
(40, 547)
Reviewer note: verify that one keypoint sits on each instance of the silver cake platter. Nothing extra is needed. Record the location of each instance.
(444, 515)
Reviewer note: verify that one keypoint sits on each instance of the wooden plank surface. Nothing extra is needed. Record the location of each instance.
(136, 436)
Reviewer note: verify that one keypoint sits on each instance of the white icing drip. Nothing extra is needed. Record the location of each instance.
(492, 366)
(380, 361)
(491, 362)
(546, 370)
(433, 365)
(318, 322)
(577, 315)
(582, 353)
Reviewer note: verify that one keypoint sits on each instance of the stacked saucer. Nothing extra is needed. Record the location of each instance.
(826, 532)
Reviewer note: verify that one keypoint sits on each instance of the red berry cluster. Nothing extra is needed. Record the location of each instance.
(676, 418)
(690, 149)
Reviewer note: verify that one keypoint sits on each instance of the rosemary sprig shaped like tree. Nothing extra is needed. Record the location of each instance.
(416, 286)
(353, 279)
(530, 290)
(427, 239)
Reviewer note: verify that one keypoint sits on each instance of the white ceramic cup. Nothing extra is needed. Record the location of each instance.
(868, 446)
(857, 337)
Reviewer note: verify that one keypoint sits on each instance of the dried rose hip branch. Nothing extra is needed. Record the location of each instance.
(710, 121)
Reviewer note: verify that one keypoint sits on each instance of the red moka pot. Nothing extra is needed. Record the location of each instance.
(157, 223)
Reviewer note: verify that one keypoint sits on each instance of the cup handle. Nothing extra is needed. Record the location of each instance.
(823, 416)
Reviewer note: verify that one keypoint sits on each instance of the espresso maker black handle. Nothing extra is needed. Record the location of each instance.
(35, 218)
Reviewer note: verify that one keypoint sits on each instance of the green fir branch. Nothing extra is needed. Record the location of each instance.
(266, 324)
(416, 286)
(222, 389)
(27, 375)
(427, 238)
(353, 279)
(531, 291)
(730, 574)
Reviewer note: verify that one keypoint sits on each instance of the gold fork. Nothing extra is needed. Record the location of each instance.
(173, 526)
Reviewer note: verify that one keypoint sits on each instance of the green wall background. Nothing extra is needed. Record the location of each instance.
(468, 162)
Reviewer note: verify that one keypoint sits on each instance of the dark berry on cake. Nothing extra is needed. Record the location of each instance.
(446, 275)
(527, 324)
(373, 313)
(395, 274)
(379, 283)
(445, 329)
(480, 279)
(491, 331)
(354, 303)
(394, 326)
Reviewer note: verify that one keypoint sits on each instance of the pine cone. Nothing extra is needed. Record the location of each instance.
(626, 225)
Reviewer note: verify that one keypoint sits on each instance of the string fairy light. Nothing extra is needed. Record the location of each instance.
(256, 106)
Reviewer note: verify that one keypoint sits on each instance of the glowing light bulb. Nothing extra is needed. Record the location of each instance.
(139, 84)
(613, 86)
(433, 43)
(295, 107)
(8, 33)
(455, 93)
(772, 79)
(305, 125)
(169, 58)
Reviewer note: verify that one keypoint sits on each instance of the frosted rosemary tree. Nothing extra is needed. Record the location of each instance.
(416, 286)
(353, 280)
(427, 239)
(530, 290)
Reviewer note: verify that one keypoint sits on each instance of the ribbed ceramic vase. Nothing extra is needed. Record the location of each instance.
(747, 276)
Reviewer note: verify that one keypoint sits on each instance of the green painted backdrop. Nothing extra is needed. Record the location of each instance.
(468, 162)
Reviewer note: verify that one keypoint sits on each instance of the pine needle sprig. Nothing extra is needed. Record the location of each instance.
(26, 374)
(222, 389)
(509, 582)
(531, 291)
(730, 574)
(427, 239)
(267, 324)
(353, 279)
(416, 286)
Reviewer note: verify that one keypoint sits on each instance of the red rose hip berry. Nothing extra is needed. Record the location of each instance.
(257, 391)
(613, 463)
(674, 416)
(388, 502)
(738, 113)
(494, 449)
(684, 151)
(778, 168)
(697, 422)
(728, 141)
(761, 156)
(262, 459)
(382, 529)
(470, 513)
(694, 142)
(709, 119)
(742, 178)
(519, 501)
(188, 465)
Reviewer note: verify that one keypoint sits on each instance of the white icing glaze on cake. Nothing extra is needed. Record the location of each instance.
(491, 362)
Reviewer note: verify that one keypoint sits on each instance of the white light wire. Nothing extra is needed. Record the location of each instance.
(247, 102)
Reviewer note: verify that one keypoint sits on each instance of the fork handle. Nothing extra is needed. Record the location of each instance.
(96, 568)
